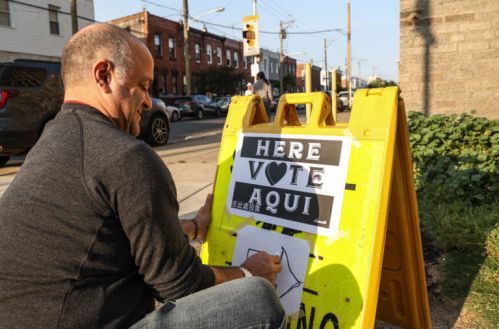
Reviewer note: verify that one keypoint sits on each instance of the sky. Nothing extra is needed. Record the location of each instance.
(374, 25)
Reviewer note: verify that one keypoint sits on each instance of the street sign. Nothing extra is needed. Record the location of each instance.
(251, 43)
(343, 193)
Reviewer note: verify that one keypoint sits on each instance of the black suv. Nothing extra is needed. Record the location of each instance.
(31, 94)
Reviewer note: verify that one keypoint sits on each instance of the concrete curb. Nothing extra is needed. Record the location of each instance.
(194, 137)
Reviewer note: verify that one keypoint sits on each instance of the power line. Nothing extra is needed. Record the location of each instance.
(272, 32)
(162, 6)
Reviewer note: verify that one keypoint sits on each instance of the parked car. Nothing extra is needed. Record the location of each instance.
(31, 94)
(155, 124)
(343, 95)
(173, 113)
(197, 106)
(223, 102)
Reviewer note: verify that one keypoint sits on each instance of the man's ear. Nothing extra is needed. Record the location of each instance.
(102, 74)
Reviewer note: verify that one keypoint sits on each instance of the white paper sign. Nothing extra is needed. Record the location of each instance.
(295, 181)
(294, 255)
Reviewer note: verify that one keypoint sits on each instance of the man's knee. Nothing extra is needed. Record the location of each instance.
(264, 300)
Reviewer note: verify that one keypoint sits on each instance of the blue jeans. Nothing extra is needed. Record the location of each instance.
(244, 303)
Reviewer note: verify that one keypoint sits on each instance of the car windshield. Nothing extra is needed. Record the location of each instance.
(18, 76)
(202, 99)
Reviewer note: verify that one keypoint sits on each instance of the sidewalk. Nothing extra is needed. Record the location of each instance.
(193, 165)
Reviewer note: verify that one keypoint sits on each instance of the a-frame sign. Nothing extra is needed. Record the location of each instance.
(336, 201)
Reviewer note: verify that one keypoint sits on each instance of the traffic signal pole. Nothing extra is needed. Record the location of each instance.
(257, 57)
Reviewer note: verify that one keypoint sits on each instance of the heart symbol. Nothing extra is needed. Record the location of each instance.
(275, 172)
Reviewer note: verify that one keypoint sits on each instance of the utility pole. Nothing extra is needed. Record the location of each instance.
(187, 56)
(74, 16)
(349, 56)
(325, 63)
(281, 58)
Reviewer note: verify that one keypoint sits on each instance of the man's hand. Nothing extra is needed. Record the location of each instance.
(203, 217)
(260, 264)
(263, 265)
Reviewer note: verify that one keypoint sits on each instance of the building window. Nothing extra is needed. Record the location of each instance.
(236, 59)
(245, 62)
(157, 45)
(227, 56)
(197, 48)
(171, 47)
(174, 84)
(265, 65)
(164, 84)
(54, 19)
(208, 53)
(219, 55)
(4, 13)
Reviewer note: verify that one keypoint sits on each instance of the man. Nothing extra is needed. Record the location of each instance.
(89, 233)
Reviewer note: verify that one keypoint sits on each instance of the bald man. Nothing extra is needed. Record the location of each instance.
(89, 229)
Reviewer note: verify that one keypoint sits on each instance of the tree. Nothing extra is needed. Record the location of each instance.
(380, 83)
(220, 81)
(289, 83)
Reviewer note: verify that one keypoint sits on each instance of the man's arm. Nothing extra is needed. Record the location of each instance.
(200, 223)
(260, 264)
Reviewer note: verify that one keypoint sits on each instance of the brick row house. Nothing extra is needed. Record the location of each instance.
(300, 78)
(165, 40)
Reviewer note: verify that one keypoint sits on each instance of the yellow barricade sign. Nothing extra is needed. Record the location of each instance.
(336, 202)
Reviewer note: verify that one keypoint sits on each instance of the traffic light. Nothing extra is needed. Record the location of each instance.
(249, 34)
(251, 44)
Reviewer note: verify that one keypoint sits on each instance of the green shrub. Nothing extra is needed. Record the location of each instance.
(456, 158)
(455, 225)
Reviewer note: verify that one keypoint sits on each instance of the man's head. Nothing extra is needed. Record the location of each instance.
(111, 70)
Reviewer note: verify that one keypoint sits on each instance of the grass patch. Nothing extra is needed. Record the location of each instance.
(456, 168)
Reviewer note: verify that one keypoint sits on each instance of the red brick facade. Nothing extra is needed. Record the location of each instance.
(300, 78)
(206, 50)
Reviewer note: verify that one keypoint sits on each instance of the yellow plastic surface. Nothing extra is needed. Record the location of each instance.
(345, 273)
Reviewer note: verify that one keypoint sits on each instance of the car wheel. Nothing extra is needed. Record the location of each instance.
(158, 131)
(200, 114)
(3, 160)
(219, 113)
(175, 116)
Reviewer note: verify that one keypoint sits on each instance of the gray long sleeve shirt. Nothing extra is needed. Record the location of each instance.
(89, 232)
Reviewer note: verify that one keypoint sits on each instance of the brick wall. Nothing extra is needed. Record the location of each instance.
(169, 70)
(449, 56)
(301, 78)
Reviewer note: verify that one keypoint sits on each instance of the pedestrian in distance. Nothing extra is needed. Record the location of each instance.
(262, 88)
(249, 89)
(89, 228)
